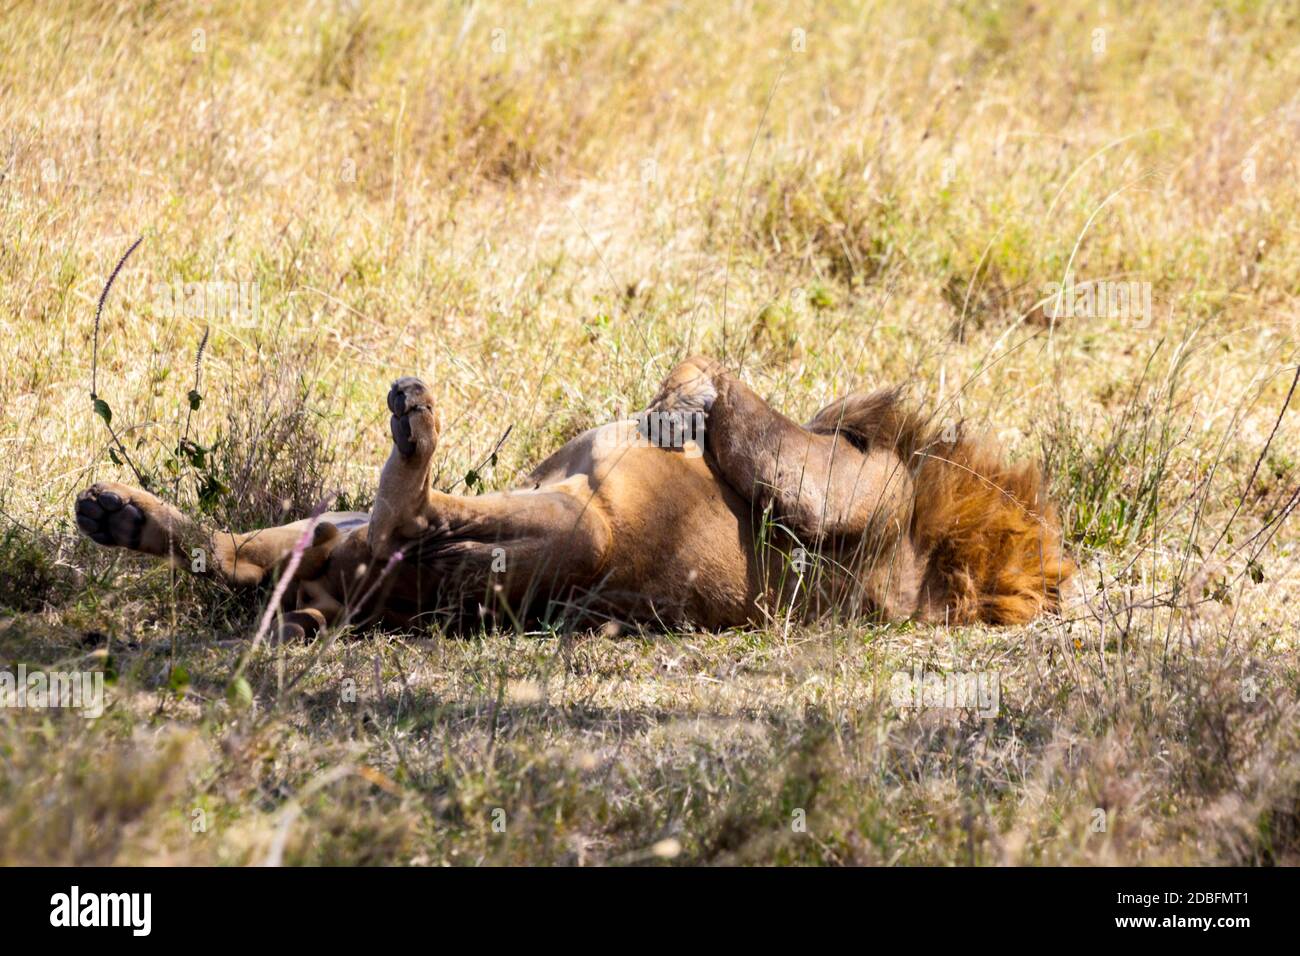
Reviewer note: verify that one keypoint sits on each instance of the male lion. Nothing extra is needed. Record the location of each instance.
(862, 511)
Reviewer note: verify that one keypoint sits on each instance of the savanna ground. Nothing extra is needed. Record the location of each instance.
(540, 208)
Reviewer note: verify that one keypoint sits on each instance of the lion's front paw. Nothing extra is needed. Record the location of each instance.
(414, 421)
(690, 388)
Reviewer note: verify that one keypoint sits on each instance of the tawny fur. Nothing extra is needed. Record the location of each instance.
(991, 536)
(899, 522)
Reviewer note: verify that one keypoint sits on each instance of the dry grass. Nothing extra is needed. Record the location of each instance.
(539, 209)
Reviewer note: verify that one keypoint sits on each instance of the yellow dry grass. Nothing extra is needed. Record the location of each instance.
(539, 208)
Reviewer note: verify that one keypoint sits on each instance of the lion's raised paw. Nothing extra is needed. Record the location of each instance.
(414, 421)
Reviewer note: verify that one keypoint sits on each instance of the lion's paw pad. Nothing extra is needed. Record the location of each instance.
(411, 405)
(109, 518)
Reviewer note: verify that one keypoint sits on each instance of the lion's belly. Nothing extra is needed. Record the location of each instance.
(682, 541)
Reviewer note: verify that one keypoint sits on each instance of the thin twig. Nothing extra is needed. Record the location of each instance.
(483, 464)
(277, 594)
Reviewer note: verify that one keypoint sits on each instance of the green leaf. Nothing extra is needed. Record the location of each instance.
(103, 411)
(112, 454)
(178, 680)
(194, 452)
(821, 297)
(1256, 571)
(211, 491)
(239, 693)
(471, 478)
(195, 400)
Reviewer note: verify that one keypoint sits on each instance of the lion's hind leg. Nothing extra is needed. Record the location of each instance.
(513, 547)
(116, 515)
(402, 504)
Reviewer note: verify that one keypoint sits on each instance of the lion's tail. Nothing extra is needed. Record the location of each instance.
(992, 537)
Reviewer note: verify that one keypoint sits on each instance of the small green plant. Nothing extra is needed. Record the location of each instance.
(1111, 490)
(32, 578)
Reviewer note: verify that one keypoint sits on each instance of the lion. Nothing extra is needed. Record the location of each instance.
(864, 512)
